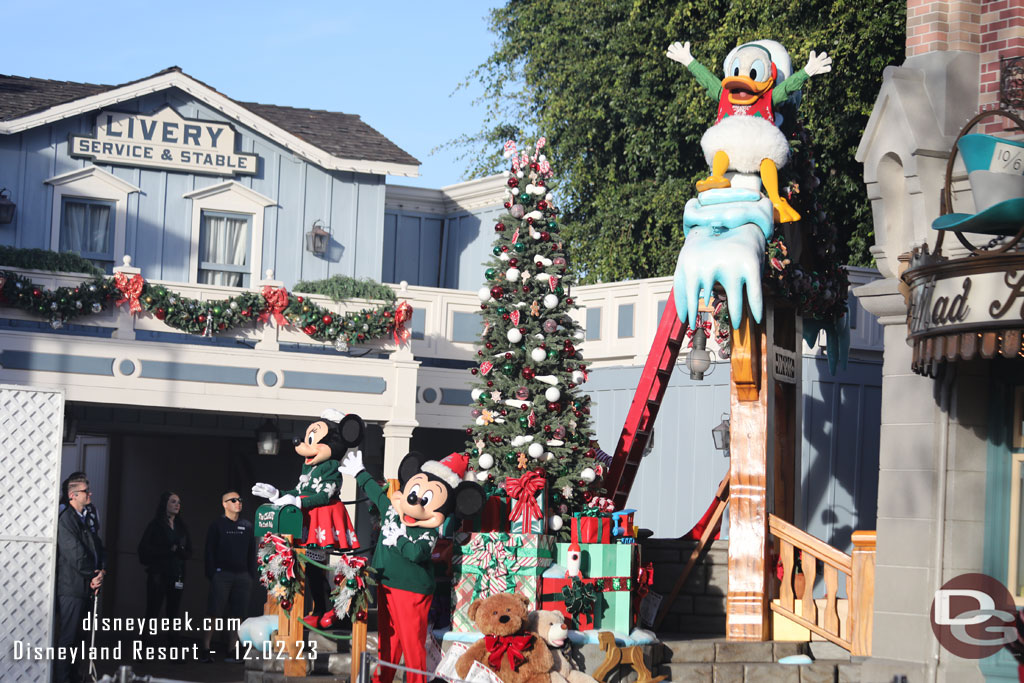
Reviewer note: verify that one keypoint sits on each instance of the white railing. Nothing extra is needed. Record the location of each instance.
(620, 318)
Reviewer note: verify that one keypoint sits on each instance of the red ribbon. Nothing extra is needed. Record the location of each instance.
(131, 288)
(403, 314)
(513, 646)
(523, 490)
(277, 301)
(644, 579)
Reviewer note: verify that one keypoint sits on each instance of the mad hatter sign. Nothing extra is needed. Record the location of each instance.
(164, 140)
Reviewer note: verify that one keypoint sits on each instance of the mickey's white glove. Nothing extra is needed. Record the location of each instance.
(288, 499)
(264, 491)
(352, 464)
(818, 64)
(391, 533)
(680, 52)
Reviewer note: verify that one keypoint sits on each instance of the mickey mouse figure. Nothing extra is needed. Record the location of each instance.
(411, 520)
(316, 494)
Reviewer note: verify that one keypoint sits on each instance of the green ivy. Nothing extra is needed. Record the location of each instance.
(43, 259)
(343, 288)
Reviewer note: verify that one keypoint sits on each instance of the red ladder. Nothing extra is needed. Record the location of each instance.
(636, 432)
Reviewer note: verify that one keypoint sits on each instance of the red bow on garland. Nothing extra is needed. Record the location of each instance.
(514, 646)
(284, 549)
(131, 288)
(523, 490)
(403, 314)
(277, 301)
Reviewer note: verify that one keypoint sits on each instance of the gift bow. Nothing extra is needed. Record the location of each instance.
(513, 646)
(644, 579)
(131, 288)
(403, 314)
(277, 301)
(284, 549)
(523, 489)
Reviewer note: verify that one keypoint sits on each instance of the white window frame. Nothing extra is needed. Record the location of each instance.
(92, 182)
(224, 267)
(229, 197)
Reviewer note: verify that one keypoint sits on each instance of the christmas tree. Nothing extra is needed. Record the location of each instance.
(529, 412)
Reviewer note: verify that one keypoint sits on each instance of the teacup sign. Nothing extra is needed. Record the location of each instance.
(995, 170)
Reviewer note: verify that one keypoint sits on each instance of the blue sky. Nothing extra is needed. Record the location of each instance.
(395, 63)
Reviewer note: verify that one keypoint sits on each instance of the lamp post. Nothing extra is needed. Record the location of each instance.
(267, 441)
(318, 239)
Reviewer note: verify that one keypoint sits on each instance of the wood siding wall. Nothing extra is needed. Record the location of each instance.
(159, 231)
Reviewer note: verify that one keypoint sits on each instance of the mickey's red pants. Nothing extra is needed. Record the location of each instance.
(401, 630)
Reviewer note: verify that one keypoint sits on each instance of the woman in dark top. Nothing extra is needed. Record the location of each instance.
(164, 547)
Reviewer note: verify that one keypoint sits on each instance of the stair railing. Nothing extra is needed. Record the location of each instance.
(858, 569)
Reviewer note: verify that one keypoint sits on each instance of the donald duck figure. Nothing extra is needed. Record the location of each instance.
(746, 137)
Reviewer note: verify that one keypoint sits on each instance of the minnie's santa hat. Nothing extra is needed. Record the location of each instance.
(451, 470)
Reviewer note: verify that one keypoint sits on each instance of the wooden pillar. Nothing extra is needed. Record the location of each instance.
(747, 611)
(862, 592)
(764, 434)
(358, 647)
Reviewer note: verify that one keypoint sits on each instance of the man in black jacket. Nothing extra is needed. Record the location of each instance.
(79, 572)
(230, 567)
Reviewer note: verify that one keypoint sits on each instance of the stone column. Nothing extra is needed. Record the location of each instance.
(398, 430)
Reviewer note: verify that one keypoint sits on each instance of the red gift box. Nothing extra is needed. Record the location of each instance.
(493, 517)
(586, 529)
(551, 599)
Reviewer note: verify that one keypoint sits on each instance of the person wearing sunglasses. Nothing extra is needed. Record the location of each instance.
(230, 567)
(79, 571)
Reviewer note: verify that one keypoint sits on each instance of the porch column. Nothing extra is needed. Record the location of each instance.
(398, 430)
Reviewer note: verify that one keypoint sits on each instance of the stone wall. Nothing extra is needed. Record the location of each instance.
(699, 608)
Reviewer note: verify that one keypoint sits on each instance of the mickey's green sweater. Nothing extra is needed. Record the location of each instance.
(405, 562)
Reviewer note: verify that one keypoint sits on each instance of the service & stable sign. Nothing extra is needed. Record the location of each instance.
(164, 140)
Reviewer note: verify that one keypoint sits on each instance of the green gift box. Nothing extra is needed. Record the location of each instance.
(497, 562)
(616, 564)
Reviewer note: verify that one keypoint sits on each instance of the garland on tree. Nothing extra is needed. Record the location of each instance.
(528, 411)
(193, 316)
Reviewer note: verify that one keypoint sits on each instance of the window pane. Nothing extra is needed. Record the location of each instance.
(625, 321)
(87, 229)
(593, 323)
(223, 249)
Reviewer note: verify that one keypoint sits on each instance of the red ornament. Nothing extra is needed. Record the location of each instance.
(528, 373)
(513, 262)
(555, 407)
(499, 227)
(247, 312)
(540, 471)
(339, 578)
(542, 205)
(327, 319)
(508, 356)
(361, 615)
(529, 220)
(569, 301)
(201, 318)
(489, 345)
(36, 292)
(512, 182)
(360, 337)
(508, 205)
(309, 329)
(539, 183)
(468, 430)
(588, 496)
(299, 299)
(483, 307)
(490, 383)
(161, 314)
(473, 371)
(547, 429)
(286, 604)
(545, 237)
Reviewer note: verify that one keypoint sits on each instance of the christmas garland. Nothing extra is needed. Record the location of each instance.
(353, 579)
(280, 573)
(193, 316)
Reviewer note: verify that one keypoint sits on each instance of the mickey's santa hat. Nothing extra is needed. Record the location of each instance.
(451, 470)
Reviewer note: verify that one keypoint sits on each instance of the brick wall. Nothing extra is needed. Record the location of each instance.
(700, 607)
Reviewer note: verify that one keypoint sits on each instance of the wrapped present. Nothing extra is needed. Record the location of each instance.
(588, 528)
(614, 567)
(529, 494)
(622, 526)
(493, 517)
(555, 592)
(497, 562)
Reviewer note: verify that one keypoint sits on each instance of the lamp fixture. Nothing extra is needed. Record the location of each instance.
(721, 435)
(699, 359)
(7, 207)
(318, 239)
(267, 440)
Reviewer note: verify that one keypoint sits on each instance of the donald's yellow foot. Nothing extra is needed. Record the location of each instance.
(784, 213)
(713, 182)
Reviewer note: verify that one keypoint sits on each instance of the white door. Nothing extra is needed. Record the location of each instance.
(90, 454)
(31, 422)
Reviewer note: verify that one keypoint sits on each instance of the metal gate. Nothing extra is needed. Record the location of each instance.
(31, 425)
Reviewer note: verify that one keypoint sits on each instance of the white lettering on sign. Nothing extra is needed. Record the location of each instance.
(164, 140)
(1007, 159)
(784, 366)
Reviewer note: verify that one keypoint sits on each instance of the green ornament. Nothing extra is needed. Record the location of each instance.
(490, 273)
(552, 354)
(475, 451)
(524, 421)
(510, 456)
(520, 247)
(485, 396)
(352, 584)
(502, 310)
(508, 369)
(496, 250)
(559, 291)
(552, 224)
(216, 310)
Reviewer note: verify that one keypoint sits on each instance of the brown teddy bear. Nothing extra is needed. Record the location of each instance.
(550, 627)
(507, 648)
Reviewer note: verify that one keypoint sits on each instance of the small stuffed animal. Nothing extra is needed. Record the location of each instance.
(411, 520)
(507, 648)
(550, 627)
